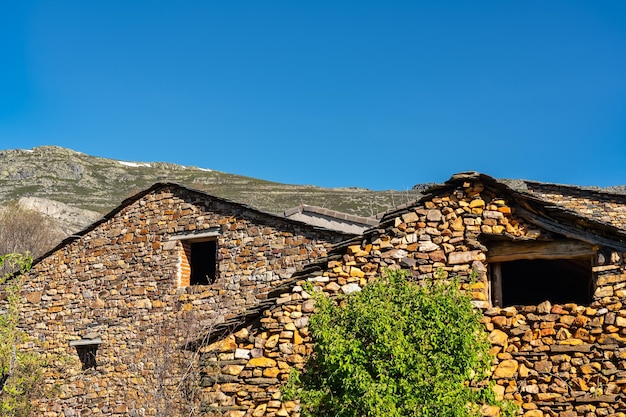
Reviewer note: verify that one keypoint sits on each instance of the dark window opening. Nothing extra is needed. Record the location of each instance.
(87, 355)
(531, 282)
(203, 262)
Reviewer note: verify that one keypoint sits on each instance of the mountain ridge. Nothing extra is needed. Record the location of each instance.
(97, 184)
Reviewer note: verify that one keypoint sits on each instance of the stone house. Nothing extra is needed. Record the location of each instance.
(551, 282)
(113, 305)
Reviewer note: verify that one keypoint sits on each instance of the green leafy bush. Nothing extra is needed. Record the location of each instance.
(396, 349)
(21, 372)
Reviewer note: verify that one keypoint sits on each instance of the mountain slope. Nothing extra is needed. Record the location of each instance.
(100, 184)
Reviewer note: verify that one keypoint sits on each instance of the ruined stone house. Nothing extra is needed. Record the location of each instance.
(551, 284)
(114, 301)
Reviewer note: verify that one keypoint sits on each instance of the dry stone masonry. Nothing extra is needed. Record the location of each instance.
(551, 359)
(550, 279)
(116, 289)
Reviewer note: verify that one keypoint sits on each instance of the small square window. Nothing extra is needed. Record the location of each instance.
(87, 348)
(199, 262)
(87, 355)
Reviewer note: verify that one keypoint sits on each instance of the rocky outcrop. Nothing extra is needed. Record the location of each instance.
(69, 219)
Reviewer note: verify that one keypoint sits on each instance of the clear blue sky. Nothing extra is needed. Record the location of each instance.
(378, 94)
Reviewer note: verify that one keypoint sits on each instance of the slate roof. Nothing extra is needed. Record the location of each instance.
(603, 206)
(304, 208)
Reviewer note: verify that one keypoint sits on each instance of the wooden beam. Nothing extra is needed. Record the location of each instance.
(559, 249)
(496, 284)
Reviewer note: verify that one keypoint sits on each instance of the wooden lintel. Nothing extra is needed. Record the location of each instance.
(211, 233)
(558, 249)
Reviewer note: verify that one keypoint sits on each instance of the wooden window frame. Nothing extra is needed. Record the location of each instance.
(507, 251)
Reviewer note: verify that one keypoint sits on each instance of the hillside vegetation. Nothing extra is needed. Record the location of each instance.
(99, 184)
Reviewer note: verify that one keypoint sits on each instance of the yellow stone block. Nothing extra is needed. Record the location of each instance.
(352, 249)
(271, 372)
(477, 203)
(297, 339)
(261, 362)
(506, 369)
(356, 272)
(498, 229)
(499, 392)
(523, 371)
(272, 341)
(571, 342)
(232, 369)
(547, 396)
(490, 410)
(260, 410)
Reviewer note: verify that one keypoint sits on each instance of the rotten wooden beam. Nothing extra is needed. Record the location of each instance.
(558, 249)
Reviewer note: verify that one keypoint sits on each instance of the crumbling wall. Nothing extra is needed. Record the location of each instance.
(552, 360)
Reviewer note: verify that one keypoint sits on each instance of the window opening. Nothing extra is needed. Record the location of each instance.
(203, 262)
(198, 257)
(87, 347)
(87, 356)
(531, 282)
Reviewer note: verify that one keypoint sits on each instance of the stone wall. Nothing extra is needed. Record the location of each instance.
(119, 281)
(552, 360)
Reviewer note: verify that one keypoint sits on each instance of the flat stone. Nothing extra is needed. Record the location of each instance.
(433, 215)
(498, 338)
(350, 288)
(506, 369)
(272, 341)
(490, 410)
(428, 246)
(271, 372)
(259, 411)
(455, 258)
(544, 308)
(308, 306)
(242, 354)
(232, 369)
(410, 217)
(261, 362)
(477, 203)
(437, 256)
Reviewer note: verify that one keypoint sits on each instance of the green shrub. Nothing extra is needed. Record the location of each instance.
(396, 349)
(21, 372)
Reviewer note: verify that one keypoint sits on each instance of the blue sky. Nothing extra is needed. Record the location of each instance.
(378, 94)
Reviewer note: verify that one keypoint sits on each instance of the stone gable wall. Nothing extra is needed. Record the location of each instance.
(552, 360)
(119, 282)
